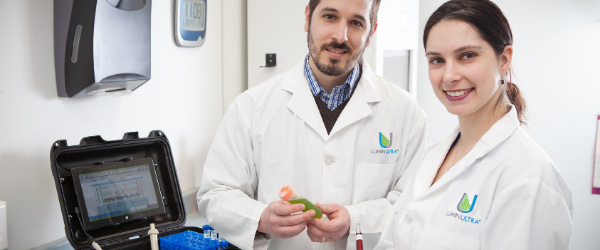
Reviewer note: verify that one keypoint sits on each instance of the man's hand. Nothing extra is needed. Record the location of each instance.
(278, 221)
(337, 226)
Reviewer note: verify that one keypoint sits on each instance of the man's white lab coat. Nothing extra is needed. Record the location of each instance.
(522, 203)
(273, 135)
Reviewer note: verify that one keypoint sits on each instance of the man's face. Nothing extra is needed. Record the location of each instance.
(338, 33)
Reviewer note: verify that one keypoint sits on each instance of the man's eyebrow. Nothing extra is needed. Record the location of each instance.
(329, 9)
(361, 18)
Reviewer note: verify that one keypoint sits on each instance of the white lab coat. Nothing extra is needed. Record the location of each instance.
(273, 135)
(522, 202)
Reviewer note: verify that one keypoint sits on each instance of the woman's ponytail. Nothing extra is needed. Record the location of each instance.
(514, 96)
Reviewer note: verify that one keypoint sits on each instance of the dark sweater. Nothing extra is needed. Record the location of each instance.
(330, 116)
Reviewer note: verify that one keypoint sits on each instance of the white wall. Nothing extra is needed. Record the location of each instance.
(183, 99)
(274, 26)
(235, 49)
(556, 52)
(397, 32)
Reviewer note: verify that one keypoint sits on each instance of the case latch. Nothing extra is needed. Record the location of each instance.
(91, 140)
(131, 136)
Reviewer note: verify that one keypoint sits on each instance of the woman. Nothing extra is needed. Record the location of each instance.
(488, 185)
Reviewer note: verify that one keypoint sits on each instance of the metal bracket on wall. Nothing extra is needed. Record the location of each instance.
(270, 60)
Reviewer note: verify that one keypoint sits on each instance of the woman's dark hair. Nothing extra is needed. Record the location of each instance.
(488, 20)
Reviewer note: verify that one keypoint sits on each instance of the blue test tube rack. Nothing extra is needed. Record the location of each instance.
(190, 240)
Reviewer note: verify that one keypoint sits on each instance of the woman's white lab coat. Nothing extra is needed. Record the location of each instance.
(273, 135)
(522, 200)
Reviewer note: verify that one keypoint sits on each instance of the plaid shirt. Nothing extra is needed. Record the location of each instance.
(338, 94)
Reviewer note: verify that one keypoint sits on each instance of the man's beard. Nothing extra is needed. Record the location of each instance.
(331, 69)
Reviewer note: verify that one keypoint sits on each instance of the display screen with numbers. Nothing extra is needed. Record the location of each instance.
(190, 20)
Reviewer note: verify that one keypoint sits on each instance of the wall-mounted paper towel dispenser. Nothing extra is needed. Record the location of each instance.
(101, 46)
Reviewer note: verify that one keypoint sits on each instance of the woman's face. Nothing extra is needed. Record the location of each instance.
(464, 69)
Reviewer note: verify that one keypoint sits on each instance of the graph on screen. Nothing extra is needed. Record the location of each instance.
(118, 192)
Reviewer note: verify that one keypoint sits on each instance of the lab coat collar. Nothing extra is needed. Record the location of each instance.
(302, 102)
(498, 133)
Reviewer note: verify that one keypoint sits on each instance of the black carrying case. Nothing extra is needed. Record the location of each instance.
(93, 150)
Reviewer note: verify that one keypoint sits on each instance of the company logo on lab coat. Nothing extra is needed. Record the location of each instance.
(385, 143)
(464, 206)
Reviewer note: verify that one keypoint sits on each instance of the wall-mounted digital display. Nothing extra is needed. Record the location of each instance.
(190, 22)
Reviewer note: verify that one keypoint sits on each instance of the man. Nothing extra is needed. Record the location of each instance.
(337, 133)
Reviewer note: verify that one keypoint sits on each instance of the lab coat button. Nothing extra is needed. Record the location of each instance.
(408, 219)
(328, 161)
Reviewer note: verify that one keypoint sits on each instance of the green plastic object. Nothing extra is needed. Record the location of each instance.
(287, 194)
(307, 206)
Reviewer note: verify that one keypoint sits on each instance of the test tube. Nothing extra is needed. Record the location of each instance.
(213, 235)
(287, 194)
(206, 229)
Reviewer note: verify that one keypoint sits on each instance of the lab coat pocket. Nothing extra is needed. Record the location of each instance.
(371, 181)
(433, 238)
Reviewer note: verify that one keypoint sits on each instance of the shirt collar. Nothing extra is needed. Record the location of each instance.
(316, 88)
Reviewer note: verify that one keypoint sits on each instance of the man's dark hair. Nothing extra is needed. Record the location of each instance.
(312, 5)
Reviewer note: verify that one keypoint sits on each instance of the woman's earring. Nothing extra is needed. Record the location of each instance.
(502, 81)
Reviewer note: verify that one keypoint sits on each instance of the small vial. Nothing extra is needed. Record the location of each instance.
(206, 229)
(359, 238)
(213, 235)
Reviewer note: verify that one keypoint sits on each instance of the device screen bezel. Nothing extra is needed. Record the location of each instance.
(115, 220)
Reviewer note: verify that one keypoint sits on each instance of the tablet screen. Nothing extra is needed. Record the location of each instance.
(117, 192)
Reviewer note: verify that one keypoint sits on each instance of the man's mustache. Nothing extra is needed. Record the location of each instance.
(342, 46)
